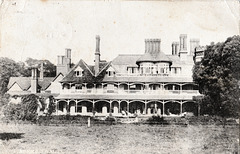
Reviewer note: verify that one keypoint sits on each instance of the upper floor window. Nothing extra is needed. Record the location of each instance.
(132, 70)
(110, 71)
(78, 86)
(78, 72)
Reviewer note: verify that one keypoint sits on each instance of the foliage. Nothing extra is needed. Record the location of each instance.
(8, 68)
(49, 68)
(26, 110)
(4, 99)
(218, 75)
(157, 120)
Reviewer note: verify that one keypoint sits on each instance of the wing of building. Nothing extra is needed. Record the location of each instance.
(144, 84)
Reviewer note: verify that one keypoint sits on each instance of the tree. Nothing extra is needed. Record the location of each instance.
(218, 75)
(8, 68)
(48, 67)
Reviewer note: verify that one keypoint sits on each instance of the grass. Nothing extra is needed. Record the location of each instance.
(120, 138)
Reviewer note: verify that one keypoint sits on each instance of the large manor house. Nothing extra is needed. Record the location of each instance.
(143, 84)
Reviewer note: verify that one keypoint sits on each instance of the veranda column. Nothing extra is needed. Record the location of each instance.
(163, 108)
(199, 107)
(56, 107)
(119, 106)
(180, 88)
(127, 106)
(145, 109)
(76, 107)
(181, 107)
(110, 110)
(94, 88)
(93, 109)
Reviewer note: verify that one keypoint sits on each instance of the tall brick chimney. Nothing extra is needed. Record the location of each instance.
(34, 80)
(175, 48)
(152, 46)
(193, 44)
(97, 55)
(41, 72)
(183, 47)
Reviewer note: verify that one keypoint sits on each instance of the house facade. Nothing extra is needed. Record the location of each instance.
(142, 84)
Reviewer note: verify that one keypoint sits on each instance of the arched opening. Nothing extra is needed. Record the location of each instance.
(66, 86)
(115, 107)
(84, 107)
(99, 88)
(136, 107)
(123, 88)
(62, 107)
(190, 107)
(154, 86)
(154, 107)
(72, 107)
(172, 87)
(102, 107)
(172, 108)
(123, 106)
(90, 87)
(188, 86)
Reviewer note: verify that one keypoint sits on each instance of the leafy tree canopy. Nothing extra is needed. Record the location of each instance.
(49, 68)
(218, 76)
(10, 68)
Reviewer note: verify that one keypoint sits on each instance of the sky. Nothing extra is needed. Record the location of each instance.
(42, 29)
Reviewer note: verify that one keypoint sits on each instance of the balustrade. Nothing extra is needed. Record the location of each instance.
(114, 91)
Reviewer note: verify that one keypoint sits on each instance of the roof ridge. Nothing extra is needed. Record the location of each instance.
(103, 68)
(87, 67)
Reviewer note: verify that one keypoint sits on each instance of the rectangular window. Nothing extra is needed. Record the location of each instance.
(78, 73)
(78, 86)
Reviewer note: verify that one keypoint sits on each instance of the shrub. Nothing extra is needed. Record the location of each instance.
(26, 110)
(156, 120)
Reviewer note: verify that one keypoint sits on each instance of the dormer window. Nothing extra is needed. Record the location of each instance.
(110, 72)
(78, 72)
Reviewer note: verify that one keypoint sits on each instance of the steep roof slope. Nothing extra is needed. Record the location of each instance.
(25, 82)
(88, 73)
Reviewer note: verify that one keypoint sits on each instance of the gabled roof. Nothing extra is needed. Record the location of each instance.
(154, 57)
(25, 82)
(45, 82)
(88, 73)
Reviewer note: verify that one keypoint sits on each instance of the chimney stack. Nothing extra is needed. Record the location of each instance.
(97, 55)
(41, 71)
(183, 47)
(34, 80)
(193, 44)
(175, 48)
(152, 45)
(183, 42)
(67, 59)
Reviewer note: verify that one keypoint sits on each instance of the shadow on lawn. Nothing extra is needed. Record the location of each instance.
(8, 136)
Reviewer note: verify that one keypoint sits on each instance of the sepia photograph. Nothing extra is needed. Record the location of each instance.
(119, 76)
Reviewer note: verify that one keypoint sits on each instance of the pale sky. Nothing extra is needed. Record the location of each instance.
(42, 29)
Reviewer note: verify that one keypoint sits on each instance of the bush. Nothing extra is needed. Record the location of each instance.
(26, 110)
(157, 120)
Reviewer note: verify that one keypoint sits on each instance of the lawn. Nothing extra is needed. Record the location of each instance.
(120, 138)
